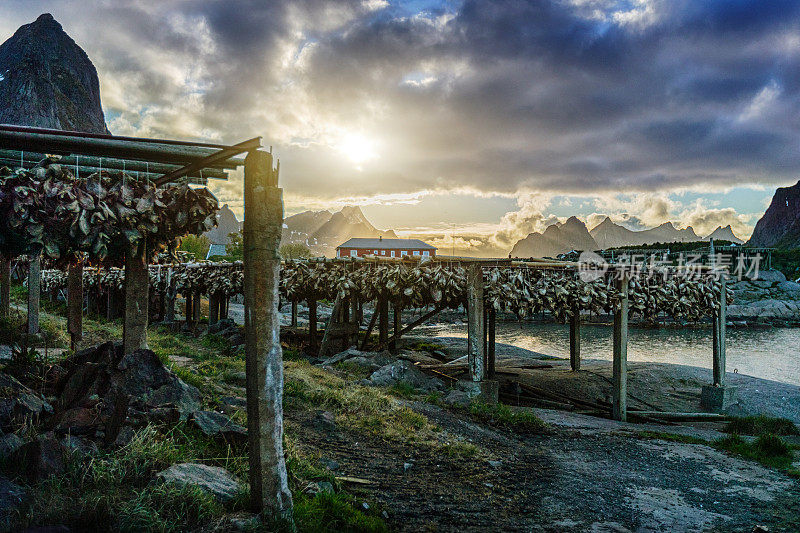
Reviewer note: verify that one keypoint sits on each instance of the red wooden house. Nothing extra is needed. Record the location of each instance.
(381, 247)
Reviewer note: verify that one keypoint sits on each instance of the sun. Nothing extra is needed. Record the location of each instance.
(358, 148)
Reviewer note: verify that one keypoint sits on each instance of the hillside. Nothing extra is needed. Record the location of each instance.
(556, 239)
(780, 225)
(323, 231)
(48, 81)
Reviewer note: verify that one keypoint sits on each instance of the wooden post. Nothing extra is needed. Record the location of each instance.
(34, 293)
(213, 308)
(333, 329)
(620, 364)
(196, 300)
(169, 294)
(312, 324)
(490, 343)
(575, 340)
(720, 318)
(383, 320)
(397, 313)
(137, 297)
(5, 287)
(294, 313)
(223, 310)
(475, 337)
(263, 221)
(188, 313)
(75, 303)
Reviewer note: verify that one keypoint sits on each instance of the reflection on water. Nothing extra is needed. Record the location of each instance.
(766, 353)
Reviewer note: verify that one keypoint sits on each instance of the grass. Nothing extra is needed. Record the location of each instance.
(504, 416)
(761, 425)
(422, 346)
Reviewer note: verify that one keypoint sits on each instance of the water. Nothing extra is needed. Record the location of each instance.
(770, 353)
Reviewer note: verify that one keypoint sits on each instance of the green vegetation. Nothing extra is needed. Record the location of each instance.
(675, 247)
(787, 261)
(504, 416)
(196, 245)
(761, 425)
(422, 346)
(294, 251)
(768, 449)
(329, 512)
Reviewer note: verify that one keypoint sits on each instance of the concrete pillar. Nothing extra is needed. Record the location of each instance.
(5, 287)
(263, 221)
(575, 340)
(620, 363)
(75, 303)
(137, 298)
(34, 293)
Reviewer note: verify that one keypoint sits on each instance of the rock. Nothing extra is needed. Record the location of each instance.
(405, 371)
(325, 420)
(231, 404)
(41, 458)
(236, 339)
(245, 521)
(125, 436)
(342, 356)
(323, 486)
(164, 415)
(457, 397)
(11, 497)
(221, 325)
(19, 404)
(771, 276)
(78, 421)
(236, 378)
(407, 467)
(212, 479)
(330, 464)
(9, 443)
(495, 464)
(780, 225)
(219, 426)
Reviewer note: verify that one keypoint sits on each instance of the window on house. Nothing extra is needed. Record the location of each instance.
(376, 252)
(416, 252)
(392, 253)
(353, 253)
(425, 252)
(403, 252)
(383, 252)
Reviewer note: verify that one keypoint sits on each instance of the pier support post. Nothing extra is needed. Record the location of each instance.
(485, 389)
(213, 308)
(75, 303)
(490, 342)
(312, 325)
(34, 293)
(620, 364)
(718, 396)
(294, 313)
(575, 340)
(397, 313)
(263, 204)
(137, 297)
(383, 320)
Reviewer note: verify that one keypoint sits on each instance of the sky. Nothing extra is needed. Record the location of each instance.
(474, 122)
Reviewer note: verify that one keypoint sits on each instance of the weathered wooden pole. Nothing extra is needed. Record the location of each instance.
(169, 296)
(213, 308)
(312, 324)
(5, 287)
(75, 303)
(383, 320)
(575, 340)
(475, 334)
(137, 299)
(188, 313)
(196, 301)
(490, 343)
(263, 221)
(397, 313)
(620, 363)
(294, 313)
(34, 293)
(720, 318)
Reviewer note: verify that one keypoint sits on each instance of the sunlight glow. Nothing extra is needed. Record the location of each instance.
(358, 148)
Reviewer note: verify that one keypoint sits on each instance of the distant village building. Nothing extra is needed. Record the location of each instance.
(381, 247)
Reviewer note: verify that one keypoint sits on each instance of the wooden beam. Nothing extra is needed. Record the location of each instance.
(312, 324)
(575, 340)
(370, 327)
(263, 221)
(620, 362)
(222, 155)
(137, 290)
(34, 293)
(475, 336)
(331, 328)
(409, 327)
(75, 303)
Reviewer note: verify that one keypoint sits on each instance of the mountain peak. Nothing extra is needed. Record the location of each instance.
(48, 81)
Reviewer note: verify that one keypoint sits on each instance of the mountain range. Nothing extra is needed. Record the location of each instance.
(780, 225)
(574, 235)
(323, 231)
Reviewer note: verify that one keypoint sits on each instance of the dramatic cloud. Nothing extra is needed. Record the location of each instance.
(588, 98)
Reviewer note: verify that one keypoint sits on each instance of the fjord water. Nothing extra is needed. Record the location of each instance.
(769, 353)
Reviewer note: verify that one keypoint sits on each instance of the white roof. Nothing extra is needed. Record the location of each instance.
(387, 244)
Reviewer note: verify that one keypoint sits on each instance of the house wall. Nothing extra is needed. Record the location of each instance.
(361, 252)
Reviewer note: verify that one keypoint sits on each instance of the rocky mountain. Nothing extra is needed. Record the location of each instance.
(724, 234)
(780, 225)
(323, 231)
(227, 223)
(610, 235)
(48, 81)
(607, 234)
(556, 239)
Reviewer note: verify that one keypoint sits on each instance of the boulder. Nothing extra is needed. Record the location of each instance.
(231, 404)
(342, 356)
(11, 497)
(19, 404)
(221, 325)
(79, 421)
(9, 443)
(219, 426)
(42, 457)
(457, 397)
(405, 371)
(215, 480)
